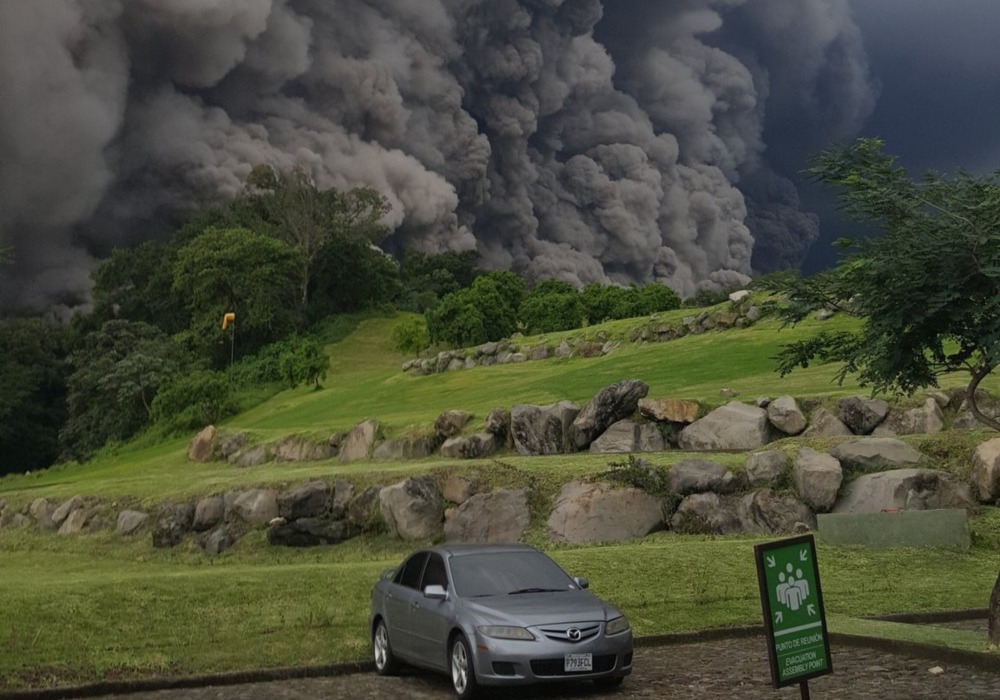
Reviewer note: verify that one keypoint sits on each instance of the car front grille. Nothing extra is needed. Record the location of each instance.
(557, 667)
(573, 634)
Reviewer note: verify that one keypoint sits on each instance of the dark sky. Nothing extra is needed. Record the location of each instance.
(608, 141)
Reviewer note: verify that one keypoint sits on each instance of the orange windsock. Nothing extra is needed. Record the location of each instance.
(227, 319)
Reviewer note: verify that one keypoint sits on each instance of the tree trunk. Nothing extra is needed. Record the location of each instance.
(994, 628)
(978, 376)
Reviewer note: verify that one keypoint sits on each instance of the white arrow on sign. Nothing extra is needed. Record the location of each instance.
(811, 609)
(770, 562)
(804, 555)
(778, 617)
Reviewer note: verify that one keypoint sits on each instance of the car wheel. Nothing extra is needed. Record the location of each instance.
(463, 671)
(609, 682)
(385, 662)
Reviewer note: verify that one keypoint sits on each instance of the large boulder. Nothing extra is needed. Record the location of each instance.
(218, 541)
(405, 448)
(586, 512)
(817, 478)
(706, 514)
(785, 415)
(669, 410)
(252, 456)
(500, 516)
(627, 436)
(699, 476)
(257, 506)
(543, 430)
(172, 524)
(915, 421)
(310, 500)
(74, 522)
(458, 489)
(412, 509)
(208, 513)
(451, 423)
(308, 532)
(909, 489)
(498, 423)
(875, 454)
(202, 447)
(766, 512)
(470, 446)
(862, 415)
(766, 467)
(343, 494)
(986, 471)
(60, 514)
(735, 426)
(610, 405)
(131, 521)
(294, 448)
(363, 509)
(359, 442)
(824, 424)
(41, 510)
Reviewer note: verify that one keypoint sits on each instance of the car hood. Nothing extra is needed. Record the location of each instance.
(528, 609)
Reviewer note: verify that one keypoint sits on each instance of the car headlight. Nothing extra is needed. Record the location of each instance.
(616, 626)
(504, 632)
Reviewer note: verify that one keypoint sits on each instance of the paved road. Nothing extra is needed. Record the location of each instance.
(735, 668)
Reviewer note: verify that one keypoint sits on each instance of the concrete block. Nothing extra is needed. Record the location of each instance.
(944, 527)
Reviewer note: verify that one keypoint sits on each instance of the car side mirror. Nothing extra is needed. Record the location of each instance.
(436, 593)
(581, 582)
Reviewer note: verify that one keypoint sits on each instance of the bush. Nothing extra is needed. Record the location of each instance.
(410, 335)
(192, 401)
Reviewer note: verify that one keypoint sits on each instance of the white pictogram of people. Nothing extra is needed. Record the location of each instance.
(793, 589)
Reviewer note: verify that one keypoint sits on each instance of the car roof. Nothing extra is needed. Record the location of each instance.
(458, 550)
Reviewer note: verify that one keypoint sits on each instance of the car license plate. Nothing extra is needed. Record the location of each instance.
(579, 663)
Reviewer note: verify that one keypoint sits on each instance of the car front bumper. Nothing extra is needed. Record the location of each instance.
(512, 662)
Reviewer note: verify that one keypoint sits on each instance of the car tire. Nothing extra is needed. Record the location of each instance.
(609, 682)
(461, 668)
(385, 661)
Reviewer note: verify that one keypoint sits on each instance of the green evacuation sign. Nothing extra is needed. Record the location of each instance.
(790, 595)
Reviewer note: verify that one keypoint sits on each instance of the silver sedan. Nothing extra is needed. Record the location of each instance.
(495, 615)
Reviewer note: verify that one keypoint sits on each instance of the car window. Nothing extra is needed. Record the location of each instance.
(434, 573)
(409, 573)
(502, 573)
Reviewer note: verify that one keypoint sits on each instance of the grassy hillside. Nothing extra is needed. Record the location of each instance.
(82, 608)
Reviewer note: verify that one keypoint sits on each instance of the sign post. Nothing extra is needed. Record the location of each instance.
(798, 645)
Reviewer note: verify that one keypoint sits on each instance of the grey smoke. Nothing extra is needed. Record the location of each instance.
(627, 141)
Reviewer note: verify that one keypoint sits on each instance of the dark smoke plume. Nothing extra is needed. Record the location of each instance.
(593, 142)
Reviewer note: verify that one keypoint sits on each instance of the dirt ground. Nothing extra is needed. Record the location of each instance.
(734, 668)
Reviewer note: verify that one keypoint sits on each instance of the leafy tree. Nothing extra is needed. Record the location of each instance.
(654, 298)
(410, 335)
(602, 302)
(427, 279)
(497, 295)
(137, 284)
(192, 400)
(350, 276)
(553, 305)
(116, 374)
(456, 321)
(287, 205)
(303, 361)
(32, 393)
(236, 270)
(927, 289)
(509, 286)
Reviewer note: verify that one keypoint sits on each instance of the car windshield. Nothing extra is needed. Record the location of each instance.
(507, 573)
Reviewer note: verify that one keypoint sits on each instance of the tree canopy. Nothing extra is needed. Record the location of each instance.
(927, 287)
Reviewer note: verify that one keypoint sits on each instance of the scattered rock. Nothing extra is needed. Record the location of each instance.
(610, 405)
(862, 415)
(699, 476)
(986, 471)
(669, 410)
(728, 393)
(253, 456)
(915, 421)
(470, 447)
(766, 467)
(202, 447)
(909, 489)
(208, 513)
(228, 445)
(343, 494)
(875, 454)
(706, 514)
(405, 448)
(543, 430)
(363, 509)
(293, 448)
(74, 523)
(458, 489)
(451, 423)
(359, 442)
(168, 532)
(817, 478)
(41, 511)
(766, 512)
(257, 506)
(735, 426)
(824, 424)
(785, 415)
(627, 436)
(500, 516)
(311, 500)
(586, 512)
(62, 512)
(412, 509)
(218, 541)
(130, 522)
(308, 532)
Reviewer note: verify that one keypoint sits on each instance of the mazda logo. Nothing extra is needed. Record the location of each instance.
(574, 634)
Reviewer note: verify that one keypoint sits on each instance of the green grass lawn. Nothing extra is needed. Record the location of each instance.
(90, 608)
(84, 608)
